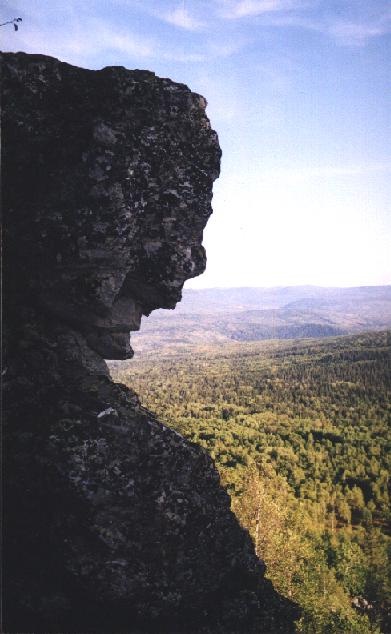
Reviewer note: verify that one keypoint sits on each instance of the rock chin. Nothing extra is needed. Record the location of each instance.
(113, 522)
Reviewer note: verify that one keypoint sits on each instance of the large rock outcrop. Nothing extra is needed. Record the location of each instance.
(113, 522)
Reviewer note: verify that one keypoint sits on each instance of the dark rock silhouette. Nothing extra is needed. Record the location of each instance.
(112, 522)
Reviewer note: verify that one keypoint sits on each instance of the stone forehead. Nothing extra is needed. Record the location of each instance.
(127, 98)
(114, 140)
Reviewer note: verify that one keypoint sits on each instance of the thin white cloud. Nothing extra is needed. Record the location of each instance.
(344, 33)
(124, 42)
(78, 45)
(182, 18)
(84, 41)
(358, 33)
(248, 8)
(352, 25)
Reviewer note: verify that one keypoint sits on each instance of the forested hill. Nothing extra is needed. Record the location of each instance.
(249, 314)
(300, 432)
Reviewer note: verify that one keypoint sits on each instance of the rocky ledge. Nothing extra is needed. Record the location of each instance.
(112, 521)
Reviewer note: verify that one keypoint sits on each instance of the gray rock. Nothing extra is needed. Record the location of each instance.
(113, 522)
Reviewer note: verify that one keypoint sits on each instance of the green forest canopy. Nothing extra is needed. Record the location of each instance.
(299, 431)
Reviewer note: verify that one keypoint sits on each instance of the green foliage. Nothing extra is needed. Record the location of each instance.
(300, 434)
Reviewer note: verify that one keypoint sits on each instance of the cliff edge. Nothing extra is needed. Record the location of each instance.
(112, 521)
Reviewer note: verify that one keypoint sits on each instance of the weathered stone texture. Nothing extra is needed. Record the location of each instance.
(113, 522)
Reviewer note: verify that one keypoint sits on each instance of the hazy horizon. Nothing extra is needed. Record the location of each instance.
(266, 286)
(298, 93)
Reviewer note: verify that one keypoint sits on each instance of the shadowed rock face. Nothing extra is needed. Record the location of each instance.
(119, 168)
(113, 522)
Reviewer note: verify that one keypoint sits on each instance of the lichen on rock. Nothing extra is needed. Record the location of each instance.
(113, 522)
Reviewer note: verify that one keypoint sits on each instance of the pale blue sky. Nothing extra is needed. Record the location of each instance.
(299, 92)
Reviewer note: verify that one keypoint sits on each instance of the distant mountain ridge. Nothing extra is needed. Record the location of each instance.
(250, 314)
(240, 298)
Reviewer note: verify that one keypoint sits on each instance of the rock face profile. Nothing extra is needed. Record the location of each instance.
(112, 522)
